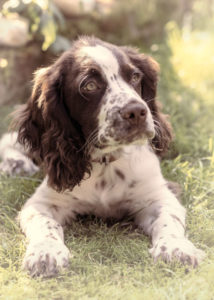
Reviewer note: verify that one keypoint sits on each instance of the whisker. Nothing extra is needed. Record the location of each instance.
(156, 121)
(90, 141)
(91, 138)
(155, 148)
(158, 131)
(152, 99)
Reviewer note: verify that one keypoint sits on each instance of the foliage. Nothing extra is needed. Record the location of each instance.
(133, 22)
(202, 16)
(196, 48)
(187, 84)
(44, 17)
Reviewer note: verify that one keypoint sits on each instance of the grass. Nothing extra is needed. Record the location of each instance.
(112, 262)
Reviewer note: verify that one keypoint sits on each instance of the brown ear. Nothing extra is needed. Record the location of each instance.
(29, 120)
(150, 70)
(47, 130)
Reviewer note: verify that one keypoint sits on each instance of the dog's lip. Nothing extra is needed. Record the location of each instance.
(146, 135)
(127, 139)
(130, 139)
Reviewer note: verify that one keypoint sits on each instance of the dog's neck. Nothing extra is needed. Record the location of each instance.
(106, 158)
(114, 153)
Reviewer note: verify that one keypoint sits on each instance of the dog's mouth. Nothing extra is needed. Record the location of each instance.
(124, 139)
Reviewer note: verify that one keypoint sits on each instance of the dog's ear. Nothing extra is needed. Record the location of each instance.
(47, 130)
(150, 70)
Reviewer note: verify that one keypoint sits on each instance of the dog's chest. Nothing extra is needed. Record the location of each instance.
(112, 190)
(105, 193)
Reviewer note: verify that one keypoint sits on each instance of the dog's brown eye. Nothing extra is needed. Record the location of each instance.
(135, 77)
(90, 86)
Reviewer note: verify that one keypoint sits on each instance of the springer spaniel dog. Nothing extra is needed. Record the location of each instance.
(94, 123)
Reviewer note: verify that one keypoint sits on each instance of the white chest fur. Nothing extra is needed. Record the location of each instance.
(112, 190)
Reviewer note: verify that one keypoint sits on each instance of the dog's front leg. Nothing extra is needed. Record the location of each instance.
(163, 219)
(41, 222)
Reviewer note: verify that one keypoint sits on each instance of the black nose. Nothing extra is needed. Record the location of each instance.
(134, 112)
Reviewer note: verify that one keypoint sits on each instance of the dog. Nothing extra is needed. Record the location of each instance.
(94, 123)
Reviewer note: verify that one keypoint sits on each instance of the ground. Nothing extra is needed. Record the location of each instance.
(112, 262)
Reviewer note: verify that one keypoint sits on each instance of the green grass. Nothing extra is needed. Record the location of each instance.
(112, 262)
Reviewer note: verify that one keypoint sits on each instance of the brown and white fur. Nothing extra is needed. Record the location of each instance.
(94, 123)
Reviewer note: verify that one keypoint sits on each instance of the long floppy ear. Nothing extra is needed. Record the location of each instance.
(150, 70)
(47, 130)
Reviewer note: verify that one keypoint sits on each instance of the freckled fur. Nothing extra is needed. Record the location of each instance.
(121, 179)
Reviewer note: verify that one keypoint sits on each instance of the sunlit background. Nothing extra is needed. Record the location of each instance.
(32, 32)
(179, 34)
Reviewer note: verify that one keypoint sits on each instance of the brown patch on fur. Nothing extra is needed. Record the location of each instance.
(163, 248)
(103, 184)
(120, 174)
(56, 208)
(49, 133)
(177, 219)
(150, 69)
(133, 184)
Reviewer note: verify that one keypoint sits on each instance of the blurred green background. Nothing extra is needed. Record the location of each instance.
(113, 263)
(33, 32)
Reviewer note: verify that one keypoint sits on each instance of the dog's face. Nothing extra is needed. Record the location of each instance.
(96, 96)
(110, 86)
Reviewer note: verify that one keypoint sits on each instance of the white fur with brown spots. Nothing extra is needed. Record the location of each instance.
(126, 179)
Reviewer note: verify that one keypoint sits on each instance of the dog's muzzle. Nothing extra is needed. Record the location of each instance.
(132, 122)
(127, 124)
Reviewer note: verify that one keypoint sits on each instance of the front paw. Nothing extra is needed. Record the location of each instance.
(46, 258)
(181, 249)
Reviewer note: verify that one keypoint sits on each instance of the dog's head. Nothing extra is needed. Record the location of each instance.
(95, 96)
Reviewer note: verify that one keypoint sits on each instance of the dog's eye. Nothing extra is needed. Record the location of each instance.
(90, 86)
(135, 78)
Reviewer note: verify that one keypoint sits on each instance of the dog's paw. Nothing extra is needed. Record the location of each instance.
(46, 258)
(11, 166)
(181, 249)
